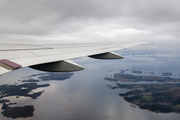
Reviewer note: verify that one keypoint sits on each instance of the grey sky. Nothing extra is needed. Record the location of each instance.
(90, 20)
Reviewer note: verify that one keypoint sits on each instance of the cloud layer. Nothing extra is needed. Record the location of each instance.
(89, 20)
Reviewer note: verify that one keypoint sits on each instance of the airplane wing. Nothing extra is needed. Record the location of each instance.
(55, 57)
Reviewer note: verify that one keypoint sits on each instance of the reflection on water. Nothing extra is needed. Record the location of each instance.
(85, 96)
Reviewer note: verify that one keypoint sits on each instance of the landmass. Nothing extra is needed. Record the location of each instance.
(164, 98)
(5, 100)
(122, 71)
(30, 80)
(25, 89)
(21, 90)
(137, 71)
(55, 76)
(167, 74)
(18, 90)
(18, 112)
(132, 78)
(161, 97)
(152, 73)
(48, 77)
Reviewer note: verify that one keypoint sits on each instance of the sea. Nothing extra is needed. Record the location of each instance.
(85, 96)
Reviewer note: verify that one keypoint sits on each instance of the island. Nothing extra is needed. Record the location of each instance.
(167, 74)
(55, 76)
(134, 78)
(137, 71)
(25, 88)
(21, 90)
(4, 100)
(30, 80)
(18, 112)
(47, 77)
(162, 96)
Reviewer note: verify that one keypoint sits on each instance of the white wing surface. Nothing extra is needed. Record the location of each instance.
(55, 57)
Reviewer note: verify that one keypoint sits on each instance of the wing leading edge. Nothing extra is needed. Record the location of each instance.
(55, 58)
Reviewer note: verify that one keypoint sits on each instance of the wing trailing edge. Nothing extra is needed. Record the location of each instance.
(55, 57)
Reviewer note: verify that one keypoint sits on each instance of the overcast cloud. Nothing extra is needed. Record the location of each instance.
(90, 20)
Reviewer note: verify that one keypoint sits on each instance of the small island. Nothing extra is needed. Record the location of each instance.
(21, 90)
(55, 76)
(47, 77)
(30, 80)
(18, 112)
